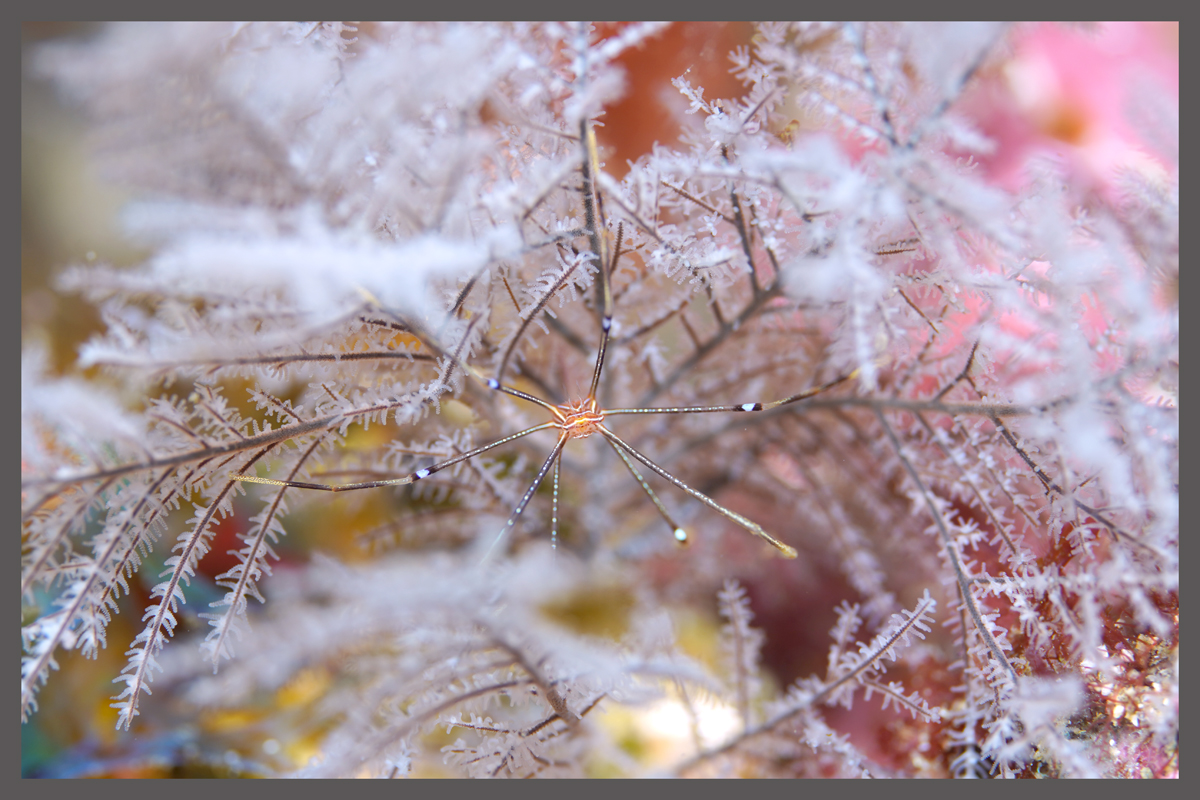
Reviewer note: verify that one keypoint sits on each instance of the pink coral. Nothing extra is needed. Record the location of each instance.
(1098, 99)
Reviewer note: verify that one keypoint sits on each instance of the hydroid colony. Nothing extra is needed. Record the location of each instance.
(380, 251)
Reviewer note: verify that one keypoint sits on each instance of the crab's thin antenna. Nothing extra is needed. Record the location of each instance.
(407, 479)
(753, 527)
(530, 314)
(497, 386)
(430, 341)
(807, 393)
(537, 481)
(677, 530)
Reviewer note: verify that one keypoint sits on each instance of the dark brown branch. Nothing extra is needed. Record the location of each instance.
(1116, 531)
(964, 583)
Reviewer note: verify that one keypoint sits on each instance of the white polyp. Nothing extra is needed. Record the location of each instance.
(680, 535)
(493, 383)
(748, 406)
(421, 473)
(606, 323)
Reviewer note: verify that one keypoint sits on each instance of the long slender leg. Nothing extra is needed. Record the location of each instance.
(430, 342)
(554, 507)
(407, 479)
(676, 530)
(787, 551)
(537, 481)
(591, 171)
(807, 393)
